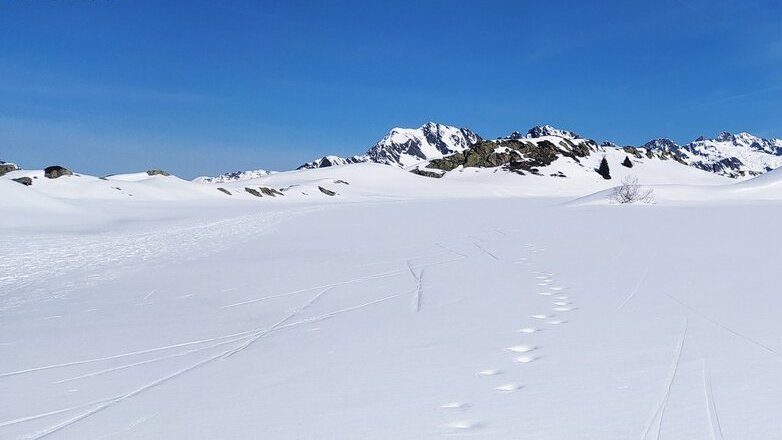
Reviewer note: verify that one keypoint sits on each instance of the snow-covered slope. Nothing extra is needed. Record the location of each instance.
(406, 147)
(495, 318)
(232, 176)
(739, 156)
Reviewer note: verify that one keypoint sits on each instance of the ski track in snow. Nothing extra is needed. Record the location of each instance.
(102, 404)
(657, 418)
(635, 290)
(418, 278)
(711, 408)
(746, 338)
(307, 289)
(482, 249)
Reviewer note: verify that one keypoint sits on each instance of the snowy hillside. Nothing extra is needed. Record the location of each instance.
(406, 147)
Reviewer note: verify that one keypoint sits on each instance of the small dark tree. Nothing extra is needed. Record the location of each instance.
(627, 162)
(603, 169)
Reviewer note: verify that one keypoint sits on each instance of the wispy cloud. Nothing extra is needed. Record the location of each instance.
(737, 97)
(102, 92)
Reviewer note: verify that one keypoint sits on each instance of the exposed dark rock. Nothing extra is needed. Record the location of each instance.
(425, 173)
(253, 191)
(627, 162)
(223, 190)
(341, 181)
(56, 171)
(326, 191)
(520, 155)
(157, 172)
(26, 181)
(270, 191)
(7, 167)
(634, 151)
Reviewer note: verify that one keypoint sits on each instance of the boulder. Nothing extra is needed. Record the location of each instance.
(26, 181)
(56, 171)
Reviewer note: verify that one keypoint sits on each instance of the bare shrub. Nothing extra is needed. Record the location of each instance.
(630, 191)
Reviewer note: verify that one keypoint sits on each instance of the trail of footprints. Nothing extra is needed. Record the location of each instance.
(523, 353)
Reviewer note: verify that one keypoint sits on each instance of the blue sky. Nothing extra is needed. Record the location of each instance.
(206, 86)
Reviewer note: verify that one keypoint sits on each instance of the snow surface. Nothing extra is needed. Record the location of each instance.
(482, 304)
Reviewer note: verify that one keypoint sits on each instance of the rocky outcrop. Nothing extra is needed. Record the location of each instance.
(7, 167)
(523, 155)
(56, 171)
(271, 192)
(26, 181)
(253, 191)
(224, 191)
(157, 172)
(328, 192)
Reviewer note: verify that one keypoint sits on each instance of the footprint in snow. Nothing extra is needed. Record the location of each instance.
(455, 405)
(508, 387)
(563, 309)
(463, 425)
(562, 303)
(556, 322)
(540, 316)
(528, 330)
(525, 359)
(562, 297)
(556, 289)
(545, 293)
(489, 372)
(544, 284)
(522, 348)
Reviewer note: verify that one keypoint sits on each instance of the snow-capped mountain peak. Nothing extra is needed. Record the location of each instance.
(406, 147)
(662, 144)
(233, 176)
(547, 130)
(733, 155)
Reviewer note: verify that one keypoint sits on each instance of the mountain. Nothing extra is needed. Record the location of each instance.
(406, 147)
(544, 151)
(733, 155)
(233, 176)
(333, 161)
